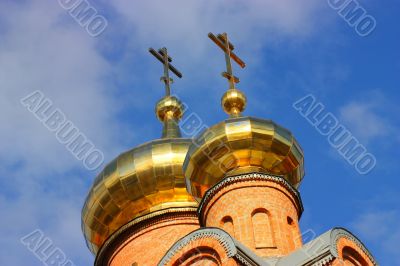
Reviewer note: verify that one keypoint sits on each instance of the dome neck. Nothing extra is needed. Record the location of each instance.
(169, 111)
(171, 128)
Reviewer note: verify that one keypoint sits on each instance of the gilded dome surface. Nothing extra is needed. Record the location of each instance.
(241, 143)
(139, 181)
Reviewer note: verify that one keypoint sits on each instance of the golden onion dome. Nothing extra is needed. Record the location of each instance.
(142, 180)
(242, 145)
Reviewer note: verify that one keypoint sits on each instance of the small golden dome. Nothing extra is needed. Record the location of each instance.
(233, 102)
(145, 179)
(242, 145)
(169, 107)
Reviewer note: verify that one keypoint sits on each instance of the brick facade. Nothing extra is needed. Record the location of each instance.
(146, 243)
(261, 214)
(256, 211)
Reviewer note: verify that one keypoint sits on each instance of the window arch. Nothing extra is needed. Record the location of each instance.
(289, 220)
(262, 229)
(295, 237)
(227, 225)
(201, 255)
(352, 257)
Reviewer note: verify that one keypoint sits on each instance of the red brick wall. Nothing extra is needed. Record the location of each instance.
(261, 214)
(149, 245)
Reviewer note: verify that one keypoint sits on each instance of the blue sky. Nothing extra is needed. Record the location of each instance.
(108, 86)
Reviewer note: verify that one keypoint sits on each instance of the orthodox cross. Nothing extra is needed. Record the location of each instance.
(221, 40)
(165, 59)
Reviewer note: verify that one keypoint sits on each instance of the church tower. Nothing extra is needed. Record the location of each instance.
(245, 172)
(138, 205)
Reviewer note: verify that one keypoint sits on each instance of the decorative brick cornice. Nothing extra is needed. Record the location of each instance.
(222, 237)
(138, 224)
(324, 261)
(323, 250)
(227, 181)
(338, 233)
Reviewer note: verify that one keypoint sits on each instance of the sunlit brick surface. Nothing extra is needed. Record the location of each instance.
(148, 246)
(262, 215)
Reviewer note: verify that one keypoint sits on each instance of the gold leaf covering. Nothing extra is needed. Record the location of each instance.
(240, 145)
(145, 179)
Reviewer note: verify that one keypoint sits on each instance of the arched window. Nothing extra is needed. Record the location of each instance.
(227, 225)
(294, 235)
(353, 258)
(200, 255)
(262, 229)
(289, 220)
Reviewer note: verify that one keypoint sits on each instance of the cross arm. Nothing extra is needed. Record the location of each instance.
(220, 42)
(159, 56)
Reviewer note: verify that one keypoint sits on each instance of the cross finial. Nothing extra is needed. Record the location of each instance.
(233, 101)
(222, 41)
(163, 57)
(169, 109)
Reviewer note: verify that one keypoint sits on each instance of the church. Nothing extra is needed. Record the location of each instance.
(227, 196)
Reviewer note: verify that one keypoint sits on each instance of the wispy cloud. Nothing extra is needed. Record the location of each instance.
(184, 25)
(370, 117)
(42, 186)
(382, 225)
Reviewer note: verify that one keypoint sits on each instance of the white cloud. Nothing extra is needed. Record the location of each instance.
(382, 225)
(186, 22)
(370, 119)
(53, 210)
(183, 25)
(42, 48)
(38, 52)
